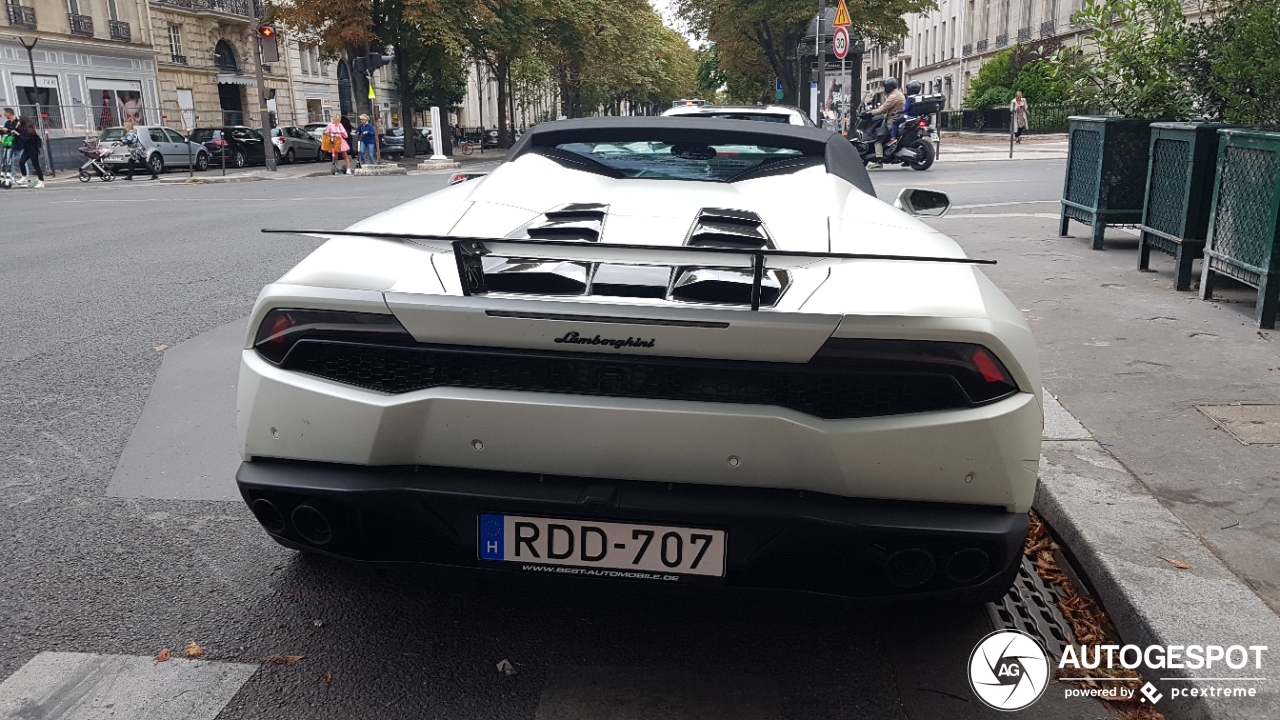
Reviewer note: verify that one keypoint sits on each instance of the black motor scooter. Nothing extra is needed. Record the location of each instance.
(914, 145)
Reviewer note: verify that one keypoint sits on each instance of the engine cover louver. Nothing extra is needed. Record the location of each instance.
(720, 227)
(584, 222)
(578, 221)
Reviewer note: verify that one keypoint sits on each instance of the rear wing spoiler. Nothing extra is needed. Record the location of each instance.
(469, 252)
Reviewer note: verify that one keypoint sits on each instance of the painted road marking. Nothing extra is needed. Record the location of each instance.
(86, 686)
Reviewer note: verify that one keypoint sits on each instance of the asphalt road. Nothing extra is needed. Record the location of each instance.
(95, 279)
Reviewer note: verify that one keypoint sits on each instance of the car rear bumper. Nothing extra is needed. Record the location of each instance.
(987, 455)
(776, 539)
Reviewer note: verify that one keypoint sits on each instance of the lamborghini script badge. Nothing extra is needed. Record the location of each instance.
(574, 338)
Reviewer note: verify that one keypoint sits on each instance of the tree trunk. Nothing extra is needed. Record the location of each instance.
(406, 103)
(441, 99)
(503, 64)
(511, 102)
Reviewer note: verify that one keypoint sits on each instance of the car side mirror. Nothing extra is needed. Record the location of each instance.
(918, 202)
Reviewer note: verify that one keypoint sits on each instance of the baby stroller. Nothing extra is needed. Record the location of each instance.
(96, 154)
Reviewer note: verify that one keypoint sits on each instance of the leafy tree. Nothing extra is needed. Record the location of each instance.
(1131, 63)
(1022, 67)
(756, 40)
(710, 79)
(1233, 62)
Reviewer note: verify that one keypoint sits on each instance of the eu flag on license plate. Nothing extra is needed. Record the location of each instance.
(491, 541)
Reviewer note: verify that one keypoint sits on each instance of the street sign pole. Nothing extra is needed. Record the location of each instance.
(820, 56)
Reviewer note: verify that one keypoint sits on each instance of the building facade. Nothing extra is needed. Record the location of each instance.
(945, 47)
(94, 64)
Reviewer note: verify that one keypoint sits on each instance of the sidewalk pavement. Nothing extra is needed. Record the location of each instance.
(1153, 479)
(995, 148)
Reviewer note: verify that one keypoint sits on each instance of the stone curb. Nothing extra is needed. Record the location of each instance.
(1120, 535)
(379, 170)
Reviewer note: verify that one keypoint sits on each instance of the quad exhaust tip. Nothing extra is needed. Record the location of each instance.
(909, 568)
(312, 525)
(967, 565)
(268, 514)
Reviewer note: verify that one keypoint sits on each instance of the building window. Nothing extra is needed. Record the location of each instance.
(73, 6)
(224, 57)
(175, 40)
(112, 12)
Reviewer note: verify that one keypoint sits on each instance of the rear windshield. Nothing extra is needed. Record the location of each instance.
(201, 135)
(679, 161)
(111, 134)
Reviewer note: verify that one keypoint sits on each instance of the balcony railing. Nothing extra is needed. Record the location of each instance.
(1024, 34)
(1002, 39)
(22, 17)
(967, 50)
(120, 30)
(179, 59)
(875, 73)
(982, 46)
(1048, 27)
(241, 8)
(81, 24)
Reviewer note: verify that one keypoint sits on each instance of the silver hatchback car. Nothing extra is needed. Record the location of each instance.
(162, 147)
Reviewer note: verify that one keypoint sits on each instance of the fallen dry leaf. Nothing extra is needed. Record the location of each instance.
(506, 668)
(282, 659)
(318, 623)
(328, 678)
(192, 650)
(163, 656)
(161, 348)
(1176, 563)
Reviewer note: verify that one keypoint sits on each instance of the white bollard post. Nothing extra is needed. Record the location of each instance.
(436, 136)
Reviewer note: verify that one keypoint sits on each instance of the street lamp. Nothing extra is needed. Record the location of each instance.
(35, 96)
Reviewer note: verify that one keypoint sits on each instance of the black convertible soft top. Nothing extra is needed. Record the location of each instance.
(838, 154)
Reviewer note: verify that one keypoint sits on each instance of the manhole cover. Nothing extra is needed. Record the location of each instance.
(1250, 424)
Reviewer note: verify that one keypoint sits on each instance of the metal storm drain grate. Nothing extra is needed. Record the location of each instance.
(1250, 424)
(1031, 606)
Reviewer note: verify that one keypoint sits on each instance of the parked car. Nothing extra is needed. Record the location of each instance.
(393, 142)
(639, 350)
(294, 143)
(163, 147)
(242, 145)
(315, 130)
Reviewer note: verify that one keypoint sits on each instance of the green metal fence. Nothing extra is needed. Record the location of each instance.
(1179, 194)
(1244, 228)
(1106, 173)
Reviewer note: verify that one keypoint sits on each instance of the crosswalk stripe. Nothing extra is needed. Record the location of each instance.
(86, 686)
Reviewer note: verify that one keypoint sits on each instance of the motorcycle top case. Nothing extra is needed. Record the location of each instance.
(927, 104)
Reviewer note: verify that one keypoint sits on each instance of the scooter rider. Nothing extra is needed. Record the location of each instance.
(892, 106)
(913, 89)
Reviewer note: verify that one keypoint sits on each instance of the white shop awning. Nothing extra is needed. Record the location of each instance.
(234, 79)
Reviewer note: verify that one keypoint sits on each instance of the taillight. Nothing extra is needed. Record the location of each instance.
(281, 329)
(974, 368)
(924, 123)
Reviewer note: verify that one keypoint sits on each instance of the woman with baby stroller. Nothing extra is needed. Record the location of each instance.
(136, 157)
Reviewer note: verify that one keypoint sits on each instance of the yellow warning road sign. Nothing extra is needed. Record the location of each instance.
(842, 16)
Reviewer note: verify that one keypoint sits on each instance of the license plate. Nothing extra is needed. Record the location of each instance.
(933, 136)
(602, 549)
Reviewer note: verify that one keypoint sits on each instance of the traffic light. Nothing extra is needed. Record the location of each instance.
(371, 62)
(270, 42)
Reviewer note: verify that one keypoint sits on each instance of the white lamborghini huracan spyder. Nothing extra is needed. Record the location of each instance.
(666, 349)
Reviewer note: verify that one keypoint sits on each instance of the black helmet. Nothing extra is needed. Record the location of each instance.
(890, 84)
(914, 87)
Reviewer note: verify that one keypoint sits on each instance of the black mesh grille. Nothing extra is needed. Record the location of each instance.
(822, 391)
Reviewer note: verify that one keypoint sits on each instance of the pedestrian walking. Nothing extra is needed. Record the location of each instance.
(9, 157)
(367, 134)
(31, 144)
(1018, 113)
(335, 140)
(131, 141)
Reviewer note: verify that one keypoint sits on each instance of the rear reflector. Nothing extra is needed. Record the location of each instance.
(281, 329)
(976, 369)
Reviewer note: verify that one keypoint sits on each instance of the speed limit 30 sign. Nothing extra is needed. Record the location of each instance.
(840, 42)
